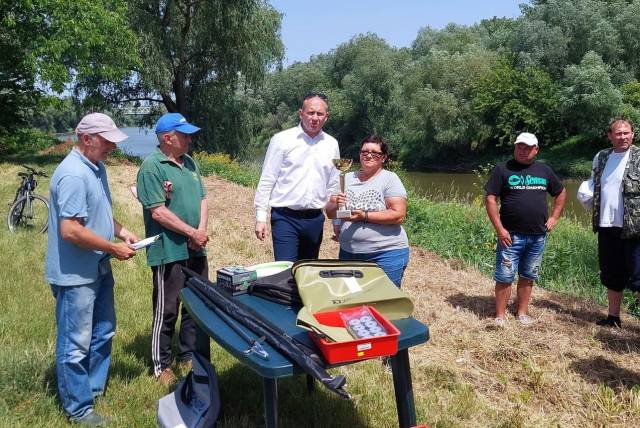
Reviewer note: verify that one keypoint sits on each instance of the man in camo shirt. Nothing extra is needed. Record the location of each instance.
(616, 216)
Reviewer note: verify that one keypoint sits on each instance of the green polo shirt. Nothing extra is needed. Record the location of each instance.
(184, 201)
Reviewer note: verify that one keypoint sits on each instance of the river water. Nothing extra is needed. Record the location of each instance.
(435, 185)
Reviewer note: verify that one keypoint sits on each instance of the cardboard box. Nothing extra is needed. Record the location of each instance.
(235, 279)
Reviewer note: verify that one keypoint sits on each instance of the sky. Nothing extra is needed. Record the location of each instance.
(312, 28)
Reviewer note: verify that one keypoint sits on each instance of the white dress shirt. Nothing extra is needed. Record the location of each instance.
(297, 172)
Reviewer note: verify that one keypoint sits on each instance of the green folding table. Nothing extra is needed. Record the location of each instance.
(412, 333)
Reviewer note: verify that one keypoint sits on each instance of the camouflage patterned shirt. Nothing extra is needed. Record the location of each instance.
(630, 192)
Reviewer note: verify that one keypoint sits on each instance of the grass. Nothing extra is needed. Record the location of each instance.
(27, 344)
(561, 372)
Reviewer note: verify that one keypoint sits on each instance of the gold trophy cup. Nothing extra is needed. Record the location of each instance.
(343, 166)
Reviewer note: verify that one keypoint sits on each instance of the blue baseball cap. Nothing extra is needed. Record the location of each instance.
(175, 122)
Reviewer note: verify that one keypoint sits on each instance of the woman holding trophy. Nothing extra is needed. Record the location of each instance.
(370, 210)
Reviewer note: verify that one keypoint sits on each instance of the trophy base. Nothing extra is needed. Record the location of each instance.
(343, 213)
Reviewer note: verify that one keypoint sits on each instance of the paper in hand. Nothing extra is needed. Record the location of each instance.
(145, 242)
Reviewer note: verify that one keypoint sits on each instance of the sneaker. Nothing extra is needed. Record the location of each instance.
(610, 321)
(93, 419)
(499, 322)
(166, 377)
(525, 319)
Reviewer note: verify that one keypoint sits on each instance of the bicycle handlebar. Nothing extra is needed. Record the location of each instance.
(33, 171)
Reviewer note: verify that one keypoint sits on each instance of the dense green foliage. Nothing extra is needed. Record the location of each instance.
(24, 140)
(564, 68)
(201, 59)
(221, 164)
(455, 96)
(56, 45)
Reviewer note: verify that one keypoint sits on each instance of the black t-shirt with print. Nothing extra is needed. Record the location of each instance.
(522, 190)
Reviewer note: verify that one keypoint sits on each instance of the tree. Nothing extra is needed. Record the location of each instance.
(57, 45)
(512, 100)
(589, 98)
(370, 89)
(197, 56)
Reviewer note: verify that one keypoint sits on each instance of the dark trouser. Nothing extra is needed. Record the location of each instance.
(168, 280)
(619, 260)
(296, 234)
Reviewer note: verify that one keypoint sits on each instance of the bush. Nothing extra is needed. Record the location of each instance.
(221, 164)
(119, 156)
(26, 141)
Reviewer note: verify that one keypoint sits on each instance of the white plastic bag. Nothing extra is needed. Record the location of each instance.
(585, 194)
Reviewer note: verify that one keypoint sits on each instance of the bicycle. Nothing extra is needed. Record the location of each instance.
(29, 211)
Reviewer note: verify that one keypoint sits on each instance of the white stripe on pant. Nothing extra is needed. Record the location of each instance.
(157, 323)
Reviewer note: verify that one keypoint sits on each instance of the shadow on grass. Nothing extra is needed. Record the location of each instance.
(50, 381)
(242, 402)
(50, 385)
(126, 370)
(586, 316)
(600, 370)
(620, 342)
(140, 349)
(482, 306)
(581, 314)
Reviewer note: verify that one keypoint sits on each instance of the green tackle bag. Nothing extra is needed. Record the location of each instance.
(326, 285)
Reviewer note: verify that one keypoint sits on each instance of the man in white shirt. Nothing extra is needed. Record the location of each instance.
(297, 179)
(616, 216)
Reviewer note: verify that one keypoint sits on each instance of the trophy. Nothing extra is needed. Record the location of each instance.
(343, 166)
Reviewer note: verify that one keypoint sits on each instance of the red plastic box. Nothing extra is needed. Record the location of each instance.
(357, 349)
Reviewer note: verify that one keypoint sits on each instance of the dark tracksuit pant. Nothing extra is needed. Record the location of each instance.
(168, 280)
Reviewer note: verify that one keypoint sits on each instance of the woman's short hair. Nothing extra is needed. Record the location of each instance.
(384, 147)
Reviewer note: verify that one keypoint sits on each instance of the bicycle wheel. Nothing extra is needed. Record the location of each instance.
(29, 214)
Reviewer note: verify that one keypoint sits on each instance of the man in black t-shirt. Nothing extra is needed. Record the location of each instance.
(522, 223)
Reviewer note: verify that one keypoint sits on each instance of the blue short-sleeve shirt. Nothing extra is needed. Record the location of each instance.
(79, 189)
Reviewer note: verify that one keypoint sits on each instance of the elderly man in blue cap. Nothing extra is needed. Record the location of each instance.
(174, 202)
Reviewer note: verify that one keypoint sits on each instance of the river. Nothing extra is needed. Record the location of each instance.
(435, 185)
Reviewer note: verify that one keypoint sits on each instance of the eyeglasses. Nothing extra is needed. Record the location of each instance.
(375, 155)
(312, 94)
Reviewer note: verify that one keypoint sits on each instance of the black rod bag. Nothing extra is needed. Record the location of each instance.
(276, 337)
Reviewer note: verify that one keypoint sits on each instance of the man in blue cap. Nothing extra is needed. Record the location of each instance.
(174, 205)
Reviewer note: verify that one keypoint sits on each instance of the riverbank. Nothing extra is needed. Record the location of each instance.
(461, 232)
(562, 371)
(571, 159)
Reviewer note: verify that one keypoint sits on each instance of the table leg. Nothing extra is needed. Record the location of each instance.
(310, 384)
(403, 389)
(203, 343)
(270, 392)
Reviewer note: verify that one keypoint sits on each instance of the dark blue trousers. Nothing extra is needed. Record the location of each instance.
(296, 234)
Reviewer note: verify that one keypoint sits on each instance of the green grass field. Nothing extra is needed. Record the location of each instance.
(446, 394)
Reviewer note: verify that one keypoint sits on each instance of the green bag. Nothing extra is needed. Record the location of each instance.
(326, 285)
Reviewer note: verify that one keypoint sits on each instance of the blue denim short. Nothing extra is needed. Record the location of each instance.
(524, 256)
